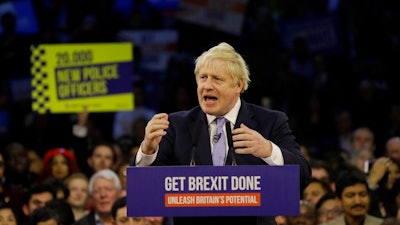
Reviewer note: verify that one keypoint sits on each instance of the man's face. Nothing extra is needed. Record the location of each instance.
(328, 211)
(217, 92)
(38, 200)
(355, 200)
(102, 158)
(362, 139)
(18, 160)
(121, 218)
(104, 194)
(393, 149)
(313, 192)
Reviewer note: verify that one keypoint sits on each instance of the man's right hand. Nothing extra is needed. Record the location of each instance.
(154, 131)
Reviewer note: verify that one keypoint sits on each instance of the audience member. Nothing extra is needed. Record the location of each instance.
(102, 157)
(7, 215)
(119, 213)
(9, 196)
(361, 158)
(35, 197)
(17, 167)
(281, 220)
(393, 148)
(320, 171)
(315, 190)
(328, 208)
(35, 162)
(44, 216)
(63, 210)
(307, 215)
(354, 197)
(362, 138)
(58, 163)
(77, 184)
(384, 182)
(104, 189)
(59, 188)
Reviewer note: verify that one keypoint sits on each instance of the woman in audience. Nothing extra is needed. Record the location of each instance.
(58, 163)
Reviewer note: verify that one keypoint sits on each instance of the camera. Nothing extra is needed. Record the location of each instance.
(368, 165)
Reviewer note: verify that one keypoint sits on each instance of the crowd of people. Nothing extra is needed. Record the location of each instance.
(343, 109)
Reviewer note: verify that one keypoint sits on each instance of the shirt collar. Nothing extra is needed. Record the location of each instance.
(231, 115)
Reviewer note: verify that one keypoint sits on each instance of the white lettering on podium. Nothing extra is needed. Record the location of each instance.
(245, 183)
(174, 183)
(207, 183)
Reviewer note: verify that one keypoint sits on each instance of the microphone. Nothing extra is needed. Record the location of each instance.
(196, 137)
(216, 137)
(230, 142)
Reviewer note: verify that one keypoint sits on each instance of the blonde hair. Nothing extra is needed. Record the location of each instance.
(235, 64)
(75, 176)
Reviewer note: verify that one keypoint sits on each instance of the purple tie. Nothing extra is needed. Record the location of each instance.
(219, 141)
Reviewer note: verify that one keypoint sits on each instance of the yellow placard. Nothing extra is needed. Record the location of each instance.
(69, 77)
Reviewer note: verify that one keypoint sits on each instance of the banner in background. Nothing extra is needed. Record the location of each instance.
(227, 16)
(322, 33)
(156, 46)
(66, 78)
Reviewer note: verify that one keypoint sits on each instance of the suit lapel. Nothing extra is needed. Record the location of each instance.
(245, 116)
(203, 151)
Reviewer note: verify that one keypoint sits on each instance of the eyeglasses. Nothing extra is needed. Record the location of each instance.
(334, 211)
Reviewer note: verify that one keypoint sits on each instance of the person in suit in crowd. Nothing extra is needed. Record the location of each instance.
(260, 136)
(354, 197)
(104, 189)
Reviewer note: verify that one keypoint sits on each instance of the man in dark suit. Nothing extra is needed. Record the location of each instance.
(260, 136)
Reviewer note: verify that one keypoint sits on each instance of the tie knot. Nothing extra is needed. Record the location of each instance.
(220, 122)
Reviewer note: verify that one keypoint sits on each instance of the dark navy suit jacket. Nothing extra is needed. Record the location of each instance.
(176, 146)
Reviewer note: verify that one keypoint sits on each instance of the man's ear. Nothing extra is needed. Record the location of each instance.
(25, 209)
